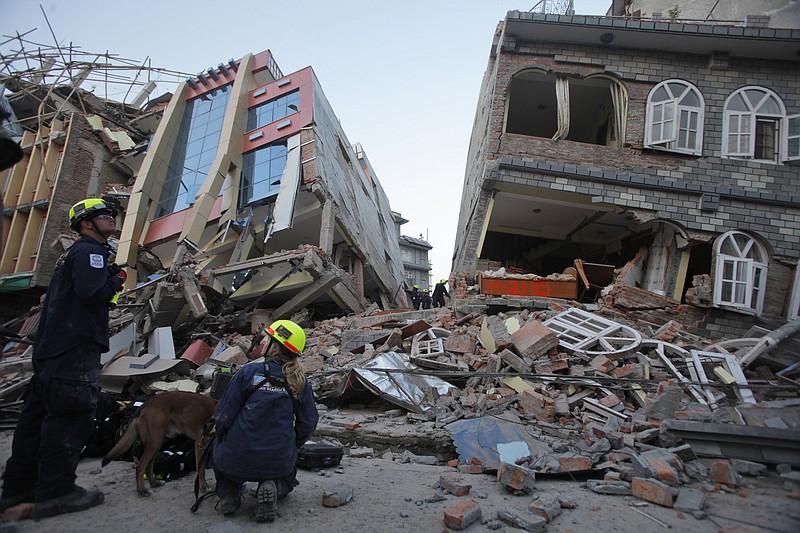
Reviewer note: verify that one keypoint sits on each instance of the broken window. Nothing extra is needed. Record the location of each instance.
(555, 106)
(195, 150)
(675, 111)
(755, 126)
(741, 273)
(273, 110)
(261, 173)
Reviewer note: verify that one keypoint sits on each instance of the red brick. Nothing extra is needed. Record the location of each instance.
(534, 404)
(652, 490)
(574, 463)
(722, 471)
(623, 371)
(462, 514)
(602, 364)
(664, 472)
(516, 477)
(534, 339)
(610, 401)
(451, 482)
(470, 469)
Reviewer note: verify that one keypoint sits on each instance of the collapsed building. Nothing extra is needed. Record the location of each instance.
(75, 143)
(249, 172)
(241, 175)
(665, 150)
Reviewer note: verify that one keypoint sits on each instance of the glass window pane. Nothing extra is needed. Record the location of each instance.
(770, 106)
(737, 103)
(690, 99)
(661, 94)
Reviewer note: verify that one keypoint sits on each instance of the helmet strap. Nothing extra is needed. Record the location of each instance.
(97, 230)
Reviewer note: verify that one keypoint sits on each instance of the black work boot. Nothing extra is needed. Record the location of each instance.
(8, 501)
(267, 495)
(78, 499)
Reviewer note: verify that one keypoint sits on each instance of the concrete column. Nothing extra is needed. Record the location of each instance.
(358, 276)
(328, 227)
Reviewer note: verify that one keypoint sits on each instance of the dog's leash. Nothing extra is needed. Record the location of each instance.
(204, 456)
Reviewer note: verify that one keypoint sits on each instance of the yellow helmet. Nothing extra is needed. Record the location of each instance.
(442, 281)
(88, 208)
(289, 334)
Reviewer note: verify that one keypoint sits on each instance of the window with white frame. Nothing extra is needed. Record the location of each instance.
(755, 126)
(675, 113)
(794, 300)
(740, 276)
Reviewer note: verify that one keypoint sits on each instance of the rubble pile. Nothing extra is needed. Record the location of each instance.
(541, 387)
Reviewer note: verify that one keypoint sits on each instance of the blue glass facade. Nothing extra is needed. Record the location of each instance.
(273, 110)
(261, 173)
(194, 151)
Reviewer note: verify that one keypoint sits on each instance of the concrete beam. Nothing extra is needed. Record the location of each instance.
(310, 293)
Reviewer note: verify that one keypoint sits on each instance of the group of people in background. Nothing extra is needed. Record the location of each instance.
(422, 299)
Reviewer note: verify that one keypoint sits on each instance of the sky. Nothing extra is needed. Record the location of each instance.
(402, 77)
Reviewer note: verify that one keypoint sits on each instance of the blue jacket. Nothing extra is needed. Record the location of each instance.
(75, 309)
(258, 437)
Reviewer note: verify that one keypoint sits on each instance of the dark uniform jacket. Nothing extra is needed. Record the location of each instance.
(75, 309)
(258, 436)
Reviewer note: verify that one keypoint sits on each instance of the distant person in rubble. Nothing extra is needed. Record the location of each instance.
(439, 292)
(425, 300)
(415, 295)
(61, 398)
(265, 415)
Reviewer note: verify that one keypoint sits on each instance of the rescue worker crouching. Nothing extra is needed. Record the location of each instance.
(61, 398)
(425, 300)
(265, 415)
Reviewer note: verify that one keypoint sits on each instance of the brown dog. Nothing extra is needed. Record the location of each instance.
(164, 416)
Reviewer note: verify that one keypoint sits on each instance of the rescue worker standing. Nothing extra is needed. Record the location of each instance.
(265, 415)
(61, 398)
(439, 292)
(415, 296)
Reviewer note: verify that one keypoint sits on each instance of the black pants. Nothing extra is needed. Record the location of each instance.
(56, 420)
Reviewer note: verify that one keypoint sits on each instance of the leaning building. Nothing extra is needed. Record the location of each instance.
(251, 180)
(668, 148)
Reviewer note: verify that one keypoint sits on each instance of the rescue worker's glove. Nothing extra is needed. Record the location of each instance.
(116, 270)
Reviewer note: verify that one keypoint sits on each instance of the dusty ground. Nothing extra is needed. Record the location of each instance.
(391, 496)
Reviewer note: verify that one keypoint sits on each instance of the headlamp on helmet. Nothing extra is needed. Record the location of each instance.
(289, 334)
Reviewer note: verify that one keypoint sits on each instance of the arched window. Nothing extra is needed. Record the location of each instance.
(675, 112)
(755, 126)
(740, 276)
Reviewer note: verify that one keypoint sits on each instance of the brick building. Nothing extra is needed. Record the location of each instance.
(671, 148)
(70, 153)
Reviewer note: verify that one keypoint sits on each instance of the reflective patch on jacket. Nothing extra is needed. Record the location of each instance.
(96, 261)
